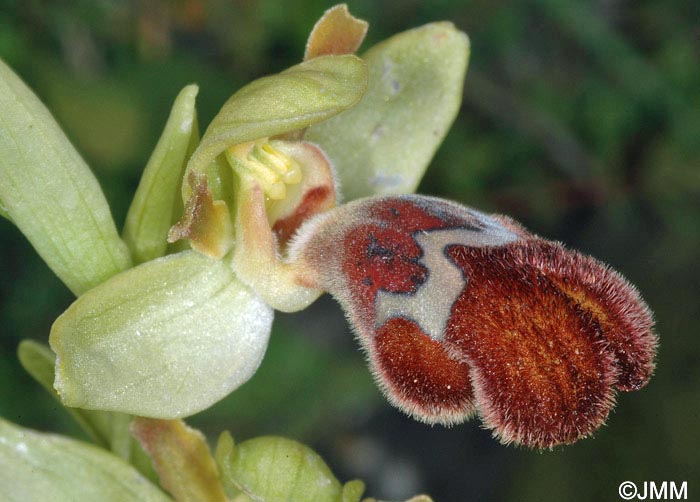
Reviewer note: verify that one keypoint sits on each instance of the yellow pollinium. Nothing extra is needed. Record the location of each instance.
(273, 169)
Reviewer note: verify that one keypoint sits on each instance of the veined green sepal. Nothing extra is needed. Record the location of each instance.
(165, 339)
(384, 144)
(49, 192)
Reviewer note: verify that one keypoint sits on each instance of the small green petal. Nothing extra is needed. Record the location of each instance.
(166, 339)
(157, 204)
(296, 98)
(107, 429)
(36, 466)
(48, 191)
(384, 144)
(271, 469)
(337, 32)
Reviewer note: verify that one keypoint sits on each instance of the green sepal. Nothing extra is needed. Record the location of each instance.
(157, 203)
(38, 466)
(384, 144)
(108, 429)
(49, 192)
(165, 339)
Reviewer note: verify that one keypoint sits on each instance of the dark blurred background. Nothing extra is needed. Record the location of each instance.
(580, 119)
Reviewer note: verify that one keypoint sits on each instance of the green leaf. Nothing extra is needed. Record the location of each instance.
(166, 339)
(271, 469)
(36, 466)
(157, 203)
(48, 191)
(294, 99)
(182, 458)
(107, 429)
(384, 144)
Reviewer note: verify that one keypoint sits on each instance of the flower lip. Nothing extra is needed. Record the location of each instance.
(460, 311)
(542, 373)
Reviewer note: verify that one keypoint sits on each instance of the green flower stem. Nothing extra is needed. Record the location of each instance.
(48, 191)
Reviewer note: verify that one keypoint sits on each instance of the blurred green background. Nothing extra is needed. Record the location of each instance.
(580, 119)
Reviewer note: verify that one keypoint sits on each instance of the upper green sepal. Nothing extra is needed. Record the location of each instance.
(37, 466)
(384, 144)
(49, 192)
(165, 339)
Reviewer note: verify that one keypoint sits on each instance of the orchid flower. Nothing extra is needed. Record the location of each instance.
(460, 313)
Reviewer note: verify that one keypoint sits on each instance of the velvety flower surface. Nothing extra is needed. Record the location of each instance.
(461, 312)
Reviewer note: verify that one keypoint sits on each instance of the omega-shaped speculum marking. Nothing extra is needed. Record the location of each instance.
(430, 305)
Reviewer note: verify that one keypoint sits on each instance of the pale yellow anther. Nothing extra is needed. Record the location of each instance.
(272, 168)
(261, 171)
(284, 165)
(272, 157)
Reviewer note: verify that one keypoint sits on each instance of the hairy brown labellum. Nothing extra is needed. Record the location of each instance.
(461, 312)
